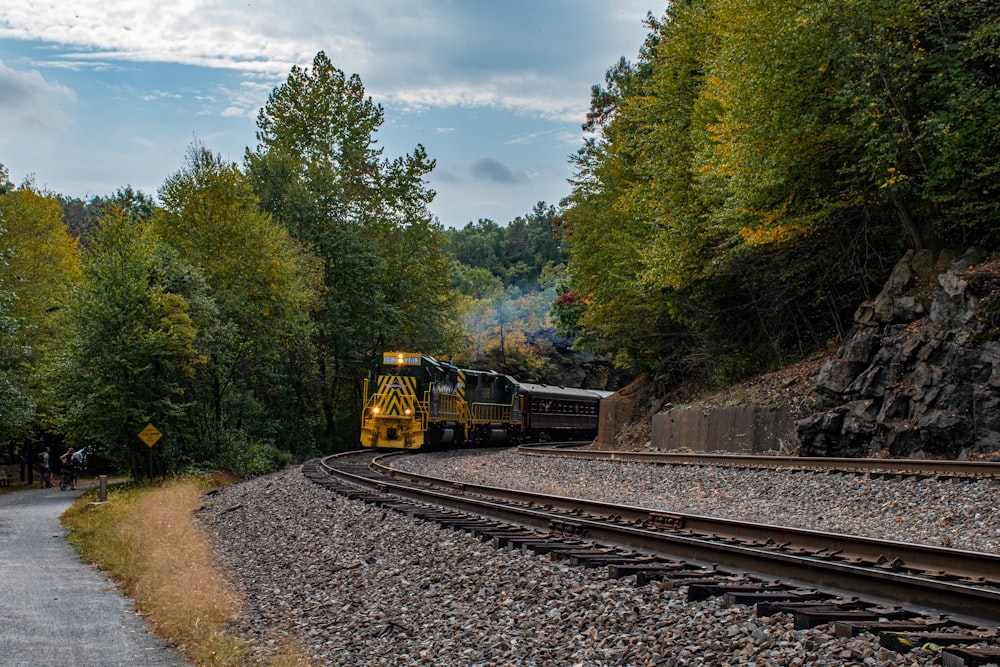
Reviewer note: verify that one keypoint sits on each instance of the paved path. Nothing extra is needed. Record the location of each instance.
(56, 610)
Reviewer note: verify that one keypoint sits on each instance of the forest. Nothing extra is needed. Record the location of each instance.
(741, 188)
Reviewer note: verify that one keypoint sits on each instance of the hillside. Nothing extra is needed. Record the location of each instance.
(917, 376)
(792, 386)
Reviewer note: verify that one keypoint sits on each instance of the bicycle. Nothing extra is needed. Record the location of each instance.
(67, 480)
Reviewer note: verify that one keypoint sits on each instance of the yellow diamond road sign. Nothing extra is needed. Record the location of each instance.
(149, 435)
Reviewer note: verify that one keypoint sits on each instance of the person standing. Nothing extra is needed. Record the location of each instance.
(45, 469)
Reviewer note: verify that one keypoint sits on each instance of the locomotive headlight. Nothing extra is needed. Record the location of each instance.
(399, 358)
(375, 410)
(408, 411)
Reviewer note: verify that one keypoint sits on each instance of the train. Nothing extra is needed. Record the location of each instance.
(413, 401)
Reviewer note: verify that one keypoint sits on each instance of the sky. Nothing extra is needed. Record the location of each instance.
(99, 94)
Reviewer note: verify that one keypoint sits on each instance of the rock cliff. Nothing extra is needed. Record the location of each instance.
(919, 374)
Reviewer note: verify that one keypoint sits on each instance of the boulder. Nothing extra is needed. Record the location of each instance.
(919, 374)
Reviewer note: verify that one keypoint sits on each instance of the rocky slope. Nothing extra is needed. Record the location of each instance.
(919, 374)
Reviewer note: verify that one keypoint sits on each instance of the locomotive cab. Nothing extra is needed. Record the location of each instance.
(412, 401)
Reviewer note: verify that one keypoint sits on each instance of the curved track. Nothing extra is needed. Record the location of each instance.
(939, 468)
(632, 540)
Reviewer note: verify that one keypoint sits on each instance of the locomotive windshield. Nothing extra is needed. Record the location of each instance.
(405, 371)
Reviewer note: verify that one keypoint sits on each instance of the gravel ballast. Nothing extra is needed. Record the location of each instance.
(954, 513)
(353, 584)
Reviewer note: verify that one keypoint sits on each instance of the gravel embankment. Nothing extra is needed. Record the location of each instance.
(357, 585)
(953, 513)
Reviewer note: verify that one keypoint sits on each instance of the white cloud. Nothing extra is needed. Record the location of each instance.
(160, 95)
(527, 95)
(236, 112)
(418, 53)
(208, 33)
(27, 98)
(244, 100)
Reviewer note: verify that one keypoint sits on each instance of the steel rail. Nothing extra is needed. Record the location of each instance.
(959, 582)
(987, 469)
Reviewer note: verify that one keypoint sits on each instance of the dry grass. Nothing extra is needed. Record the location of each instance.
(147, 539)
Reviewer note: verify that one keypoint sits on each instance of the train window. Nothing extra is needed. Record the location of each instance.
(402, 371)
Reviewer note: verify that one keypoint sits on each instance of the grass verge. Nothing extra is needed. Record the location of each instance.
(146, 538)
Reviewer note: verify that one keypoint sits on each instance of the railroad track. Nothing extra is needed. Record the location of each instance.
(888, 467)
(911, 593)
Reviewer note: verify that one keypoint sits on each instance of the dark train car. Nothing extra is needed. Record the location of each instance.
(559, 413)
(494, 411)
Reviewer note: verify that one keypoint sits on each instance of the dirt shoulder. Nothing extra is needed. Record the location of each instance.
(791, 386)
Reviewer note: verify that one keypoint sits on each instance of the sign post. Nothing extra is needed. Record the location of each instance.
(150, 435)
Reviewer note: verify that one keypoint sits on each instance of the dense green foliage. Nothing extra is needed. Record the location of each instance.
(39, 266)
(762, 166)
(742, 187)
(16, 406)
(238, 314)
(130, 348)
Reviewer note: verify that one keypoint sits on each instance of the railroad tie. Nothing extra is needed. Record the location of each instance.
(752, 597)
(903, 642)
(810, 614)
(970, 657)
(664, 568)
(847, 629)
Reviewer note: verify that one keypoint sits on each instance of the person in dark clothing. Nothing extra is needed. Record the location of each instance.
(68, 470)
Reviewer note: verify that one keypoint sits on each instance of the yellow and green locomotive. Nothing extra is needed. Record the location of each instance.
(414, 401)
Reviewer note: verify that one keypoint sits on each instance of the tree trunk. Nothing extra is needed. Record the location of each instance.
(922, 237)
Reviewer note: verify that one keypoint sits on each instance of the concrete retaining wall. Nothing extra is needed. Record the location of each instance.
(744, 429)
(615, 411)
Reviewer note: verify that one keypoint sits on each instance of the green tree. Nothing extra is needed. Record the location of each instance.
(479, 245)
(918, 85)
(40, 268)
(764, 149)
(131, 348)
(608, 228)
(16, 406)
(81, 217)
(43, 262)
(318, 171)
(517, 254)
(5, 184)
(262, 295)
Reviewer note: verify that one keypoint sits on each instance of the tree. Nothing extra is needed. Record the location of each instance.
(131, 349)
(81, 217)
(257, 283)
(608, 228)
(16, 407)
(918, 88)
(43, 262)
(39, 269)
(318, 171)
(5, 184)
(766, 141)
(479, 245)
